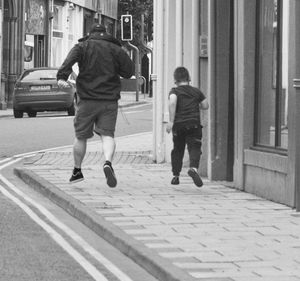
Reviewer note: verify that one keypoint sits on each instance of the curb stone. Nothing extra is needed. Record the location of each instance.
(143, 256)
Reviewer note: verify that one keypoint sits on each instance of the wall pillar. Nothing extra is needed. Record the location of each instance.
(195, 43)
(244, 87)
(219, 79)
(169, 66)
(158, 82)
(294, 102)
(178, 34)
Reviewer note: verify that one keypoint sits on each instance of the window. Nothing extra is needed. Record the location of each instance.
(57, 18)
(271, 74)
(57, 40)
(44, 74)
(71, 28)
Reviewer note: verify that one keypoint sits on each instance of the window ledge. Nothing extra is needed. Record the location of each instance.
(266, 160)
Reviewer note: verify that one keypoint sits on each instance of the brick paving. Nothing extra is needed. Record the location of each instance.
(211, 233)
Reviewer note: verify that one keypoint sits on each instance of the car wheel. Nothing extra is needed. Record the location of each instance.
(71, 110)
(31, 113)
(18, 113)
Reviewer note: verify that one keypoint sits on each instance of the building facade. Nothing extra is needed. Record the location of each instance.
(41, 32)
(241, 54)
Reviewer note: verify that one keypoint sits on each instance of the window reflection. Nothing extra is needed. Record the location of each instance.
(272, 82)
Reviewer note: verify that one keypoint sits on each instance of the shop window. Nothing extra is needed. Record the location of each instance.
(271, 128)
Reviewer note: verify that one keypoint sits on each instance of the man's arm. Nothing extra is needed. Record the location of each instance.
(66, 68)
(126, 65)
(204, 105)
(172, 111)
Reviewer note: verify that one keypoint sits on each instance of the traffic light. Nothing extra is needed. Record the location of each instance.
(126, 27)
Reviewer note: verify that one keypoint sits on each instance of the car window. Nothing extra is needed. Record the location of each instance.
(41, 74)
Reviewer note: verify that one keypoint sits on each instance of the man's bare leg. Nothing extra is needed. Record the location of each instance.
(109, 146)
(79, 150)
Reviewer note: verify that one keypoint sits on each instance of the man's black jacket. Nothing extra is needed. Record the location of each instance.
(101, 62)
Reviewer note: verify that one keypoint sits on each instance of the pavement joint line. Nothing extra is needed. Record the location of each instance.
(159, 267)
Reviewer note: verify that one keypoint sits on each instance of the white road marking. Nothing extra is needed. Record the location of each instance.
(9, 163)
(61, 117)
(133, 107)
(86, 265)
(137, 111)
(5, 160)
(73, 235)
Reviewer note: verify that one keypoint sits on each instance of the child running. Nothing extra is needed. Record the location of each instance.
(185, 103)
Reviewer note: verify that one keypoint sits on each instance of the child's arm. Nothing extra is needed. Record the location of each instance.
(204, 104)
(172, 111)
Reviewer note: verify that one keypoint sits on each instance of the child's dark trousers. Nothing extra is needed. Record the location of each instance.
(192, 137)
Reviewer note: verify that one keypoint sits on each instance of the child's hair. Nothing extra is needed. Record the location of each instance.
(181, 74)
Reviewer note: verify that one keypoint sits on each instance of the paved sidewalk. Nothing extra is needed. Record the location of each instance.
(180, 232)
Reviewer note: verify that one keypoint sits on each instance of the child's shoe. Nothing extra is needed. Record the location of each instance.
(175, 180)
(192, 172)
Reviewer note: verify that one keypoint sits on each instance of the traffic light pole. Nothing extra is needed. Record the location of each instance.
(137, 68)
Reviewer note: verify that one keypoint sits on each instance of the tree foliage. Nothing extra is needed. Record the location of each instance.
(137, 8)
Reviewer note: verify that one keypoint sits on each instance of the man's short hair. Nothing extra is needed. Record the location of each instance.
(97, 27)
(181, 74)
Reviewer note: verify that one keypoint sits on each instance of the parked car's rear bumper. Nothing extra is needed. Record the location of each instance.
(46, 102)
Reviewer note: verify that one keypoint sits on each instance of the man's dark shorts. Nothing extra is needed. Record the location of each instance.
(97, 116)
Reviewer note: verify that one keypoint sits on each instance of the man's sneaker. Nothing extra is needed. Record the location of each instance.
(195, 176)
(111, 179)
(77, 176)
(175, 180)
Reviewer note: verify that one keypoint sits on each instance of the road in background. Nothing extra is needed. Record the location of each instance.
(53, 130)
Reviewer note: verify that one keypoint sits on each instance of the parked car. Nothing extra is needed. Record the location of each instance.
(36, 90)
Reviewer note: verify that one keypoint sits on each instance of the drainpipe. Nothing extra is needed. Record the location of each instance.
(297, 106)
(195, 43)
(179, 29)
(211, 85)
